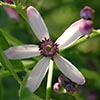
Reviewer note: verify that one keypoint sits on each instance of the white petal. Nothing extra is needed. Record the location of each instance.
(70, 35)
(37, 24)
(69, 70)
(21, 52)
(38, 74)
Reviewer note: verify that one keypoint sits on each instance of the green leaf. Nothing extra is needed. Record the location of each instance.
(9, 38)
(3, 42)
(90, 74)
(25, 94)
(6, 63)
(17, 64)
(4, 73)
(4, 39)
(28, 63)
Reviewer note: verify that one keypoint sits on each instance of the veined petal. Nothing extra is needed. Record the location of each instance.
(37, 24)
(21, 52)
(38, 74)
(69, 70)
(74, 32)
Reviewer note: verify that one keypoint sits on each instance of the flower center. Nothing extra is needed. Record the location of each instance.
(48, 48)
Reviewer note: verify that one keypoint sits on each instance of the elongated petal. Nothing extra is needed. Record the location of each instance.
(38, 74)
(69, 70)
(21, 52)
(37, 24)
(74, 32)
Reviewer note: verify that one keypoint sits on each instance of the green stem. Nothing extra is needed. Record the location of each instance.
(77, 96)
(6, 63)
(49, 81)
(7, 4)
(21, 11)
(81, 40)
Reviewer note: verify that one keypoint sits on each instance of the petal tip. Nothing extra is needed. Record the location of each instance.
(31, 10)
(30, 85)
(8, 53)
(82, 81)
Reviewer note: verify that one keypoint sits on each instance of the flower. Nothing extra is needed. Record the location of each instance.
(12, 13)
(49, 49)
(65, 85)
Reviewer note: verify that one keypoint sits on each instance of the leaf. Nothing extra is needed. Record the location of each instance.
(6, 63)
(28, 63)
(4, 39)
(3, 43)
(10, 39)
(17, 64)
(90, 74)
(25, 94)
(4, 73)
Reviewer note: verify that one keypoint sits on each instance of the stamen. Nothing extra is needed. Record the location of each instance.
(48, 48)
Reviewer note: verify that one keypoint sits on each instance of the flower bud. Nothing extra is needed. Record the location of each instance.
(67, 84)
(70, 88)
(58, 88)
(9, 1)
(12, 13)
(63, 80)
(86, 27)
(87, 13)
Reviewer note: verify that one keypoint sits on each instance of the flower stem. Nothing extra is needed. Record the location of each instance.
(81, 40)
(77, 96)
(7, 4)
(49, 80)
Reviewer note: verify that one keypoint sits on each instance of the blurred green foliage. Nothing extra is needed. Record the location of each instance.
(58, 15)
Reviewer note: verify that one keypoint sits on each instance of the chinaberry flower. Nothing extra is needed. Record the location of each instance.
(12, 13)
(49, 49)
